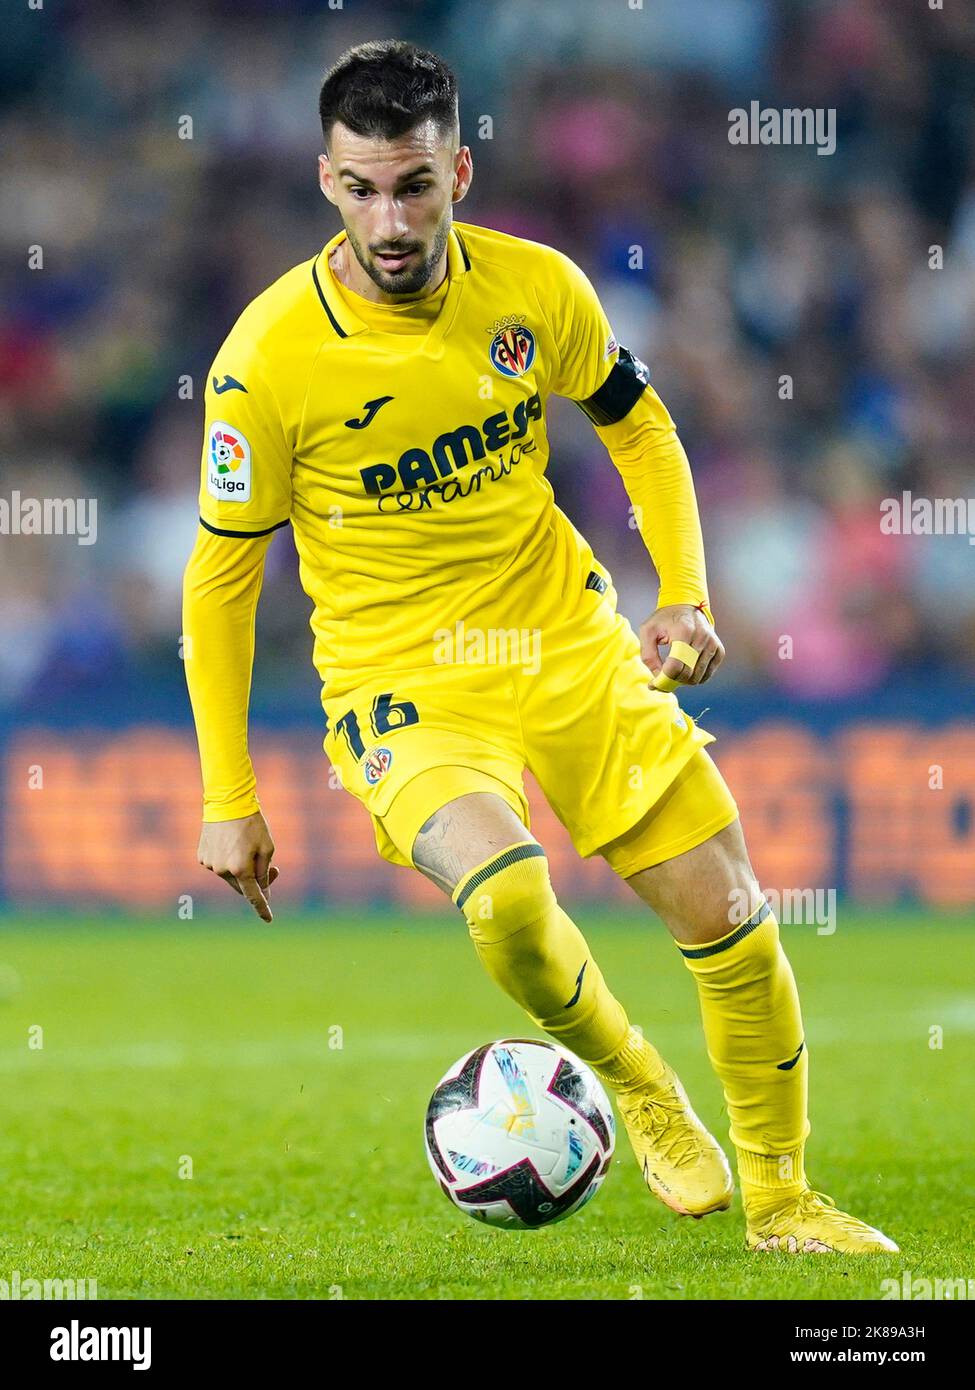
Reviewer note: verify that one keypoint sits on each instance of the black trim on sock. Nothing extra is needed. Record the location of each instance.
(755, 920)
(493, 866)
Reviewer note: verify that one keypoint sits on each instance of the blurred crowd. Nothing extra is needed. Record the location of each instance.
(809, 320)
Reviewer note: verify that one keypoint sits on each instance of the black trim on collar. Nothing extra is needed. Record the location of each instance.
(463, 249)
(620, 391)
(331, 317)
(243, 535)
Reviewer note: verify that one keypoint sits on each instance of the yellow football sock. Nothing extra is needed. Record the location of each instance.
(753, 1028)
(539, 957)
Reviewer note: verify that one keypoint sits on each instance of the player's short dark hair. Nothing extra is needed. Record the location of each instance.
(387, 87)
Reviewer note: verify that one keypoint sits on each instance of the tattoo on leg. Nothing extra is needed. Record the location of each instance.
(433, 854)
(463, 834)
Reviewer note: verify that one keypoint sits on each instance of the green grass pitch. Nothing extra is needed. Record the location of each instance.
(216, 1041)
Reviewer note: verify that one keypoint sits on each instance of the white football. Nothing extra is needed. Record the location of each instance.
(519, 1133)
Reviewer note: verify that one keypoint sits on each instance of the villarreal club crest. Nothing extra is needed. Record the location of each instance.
(513, 349)
(377, 764)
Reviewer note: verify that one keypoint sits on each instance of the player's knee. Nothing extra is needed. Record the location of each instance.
(732, 895)
(506, 894)
(749, 919)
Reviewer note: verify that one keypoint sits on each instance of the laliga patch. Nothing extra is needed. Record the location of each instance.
(228, 464)
(611, 347)
(513, 350)
(377, 764)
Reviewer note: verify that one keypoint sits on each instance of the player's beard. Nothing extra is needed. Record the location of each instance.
(407, 281)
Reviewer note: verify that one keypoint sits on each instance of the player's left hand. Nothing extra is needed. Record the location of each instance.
(681, 623)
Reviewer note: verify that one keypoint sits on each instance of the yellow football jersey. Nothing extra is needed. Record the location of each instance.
(412, 465)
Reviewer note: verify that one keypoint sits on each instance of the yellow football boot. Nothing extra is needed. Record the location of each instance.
(681, 1162)
(808, 1223)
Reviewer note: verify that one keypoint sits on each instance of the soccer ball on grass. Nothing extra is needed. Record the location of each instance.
(519, 1133)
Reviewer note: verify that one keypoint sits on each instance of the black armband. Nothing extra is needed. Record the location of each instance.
(620, 391)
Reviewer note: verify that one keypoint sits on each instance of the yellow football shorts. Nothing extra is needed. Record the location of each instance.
(620, 764)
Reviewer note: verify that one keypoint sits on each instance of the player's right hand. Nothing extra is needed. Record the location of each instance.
(240, 851)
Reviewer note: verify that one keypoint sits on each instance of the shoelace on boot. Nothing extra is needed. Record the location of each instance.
(682, 1149)
(812, 1203)
(816, 1204)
